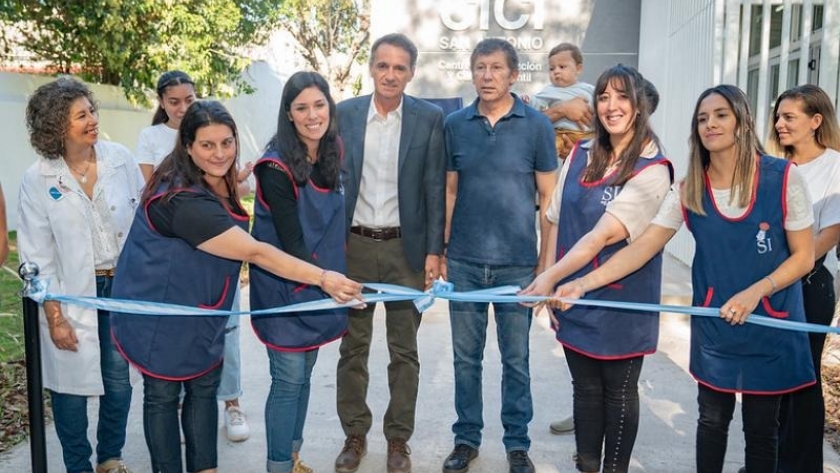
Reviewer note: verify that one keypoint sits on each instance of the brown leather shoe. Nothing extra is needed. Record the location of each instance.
(399, 460)
(355, 447)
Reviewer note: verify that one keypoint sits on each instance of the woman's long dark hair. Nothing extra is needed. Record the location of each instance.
(628, 80)
(289, 145)
(168, 79)
(178, 170)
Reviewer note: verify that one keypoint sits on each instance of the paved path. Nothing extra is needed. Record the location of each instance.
(666, 434)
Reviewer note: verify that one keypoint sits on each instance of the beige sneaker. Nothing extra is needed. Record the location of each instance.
(301, 467)
(563, 427)
(112, 466)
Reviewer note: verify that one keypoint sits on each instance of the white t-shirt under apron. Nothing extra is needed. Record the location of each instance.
(799, 216)
(638, 201)
(155, 143)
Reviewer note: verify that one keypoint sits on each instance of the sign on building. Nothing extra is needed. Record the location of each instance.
(446, 31)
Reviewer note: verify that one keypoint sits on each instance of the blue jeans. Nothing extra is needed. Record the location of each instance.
(760, 414)
(230, 387)
(199, 419)
(70, 410)
(469, 333)
(286, 406)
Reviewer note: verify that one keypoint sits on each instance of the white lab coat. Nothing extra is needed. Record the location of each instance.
(55, 232)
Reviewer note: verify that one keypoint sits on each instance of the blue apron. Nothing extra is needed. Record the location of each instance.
(731, 255)
(321, 216)
(156, 268)
(597, 332)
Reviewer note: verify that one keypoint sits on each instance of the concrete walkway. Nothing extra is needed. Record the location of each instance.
(665, 442)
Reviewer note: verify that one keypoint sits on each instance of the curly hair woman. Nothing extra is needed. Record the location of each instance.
(76, 206)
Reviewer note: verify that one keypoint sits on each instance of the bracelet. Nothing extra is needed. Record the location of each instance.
(323, 278)
(772, 283)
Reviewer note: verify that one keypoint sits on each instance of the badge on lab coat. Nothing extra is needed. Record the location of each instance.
(55, 193)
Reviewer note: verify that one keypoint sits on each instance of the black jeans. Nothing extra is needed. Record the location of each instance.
(760, 415)
(199, 418)
(606, 410)
(802, 413)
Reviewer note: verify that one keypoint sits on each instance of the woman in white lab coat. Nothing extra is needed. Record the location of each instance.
(76, 206)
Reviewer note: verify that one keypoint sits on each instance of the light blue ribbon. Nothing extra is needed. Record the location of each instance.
(392, 293)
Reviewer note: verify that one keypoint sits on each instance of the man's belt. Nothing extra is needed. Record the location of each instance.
(378, 234)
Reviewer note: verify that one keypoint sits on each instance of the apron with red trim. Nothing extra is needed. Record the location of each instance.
(157, 268)
(732, 254)
(321, 216)
(599, 332)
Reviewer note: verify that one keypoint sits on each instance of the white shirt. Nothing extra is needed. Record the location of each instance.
(106, 247)
(822, 176)
(800, 214)
(155, 143)
(377, 206)
(638, 201)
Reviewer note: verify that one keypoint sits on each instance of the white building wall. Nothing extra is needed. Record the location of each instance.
(678, 56)
(687, 46)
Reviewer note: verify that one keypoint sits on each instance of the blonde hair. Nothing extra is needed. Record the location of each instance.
(814, 100)
(746, 143)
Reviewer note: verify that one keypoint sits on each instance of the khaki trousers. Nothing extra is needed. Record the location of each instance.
(369, 260)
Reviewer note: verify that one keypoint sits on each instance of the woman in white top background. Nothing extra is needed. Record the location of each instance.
(806, 133)
(175, 91)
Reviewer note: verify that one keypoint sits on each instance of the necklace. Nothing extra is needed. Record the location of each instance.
(83, 174)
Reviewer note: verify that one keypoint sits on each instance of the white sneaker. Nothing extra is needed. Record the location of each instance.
(236, 425)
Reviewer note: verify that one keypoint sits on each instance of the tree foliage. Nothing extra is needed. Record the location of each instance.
(331, 35)
(129, 43)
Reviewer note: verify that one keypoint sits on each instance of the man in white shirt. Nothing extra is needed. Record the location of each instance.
(394, 191)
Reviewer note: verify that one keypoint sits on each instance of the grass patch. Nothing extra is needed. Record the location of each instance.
(13, 409)
(11, 319)
(248, 202)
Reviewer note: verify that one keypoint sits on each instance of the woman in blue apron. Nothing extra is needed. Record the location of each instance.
(806, 133)
(609, 190)
(175, 92)
(751, 217)
(185, 247)
(300, 209)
